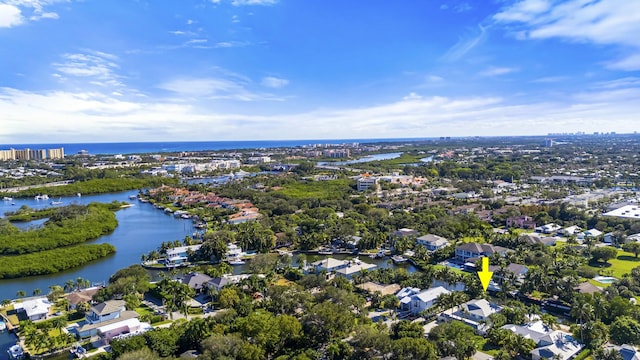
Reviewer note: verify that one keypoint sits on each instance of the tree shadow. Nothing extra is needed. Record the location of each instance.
(599, 264)
(628, 258)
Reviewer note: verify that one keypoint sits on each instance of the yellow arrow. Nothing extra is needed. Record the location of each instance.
(485, 275)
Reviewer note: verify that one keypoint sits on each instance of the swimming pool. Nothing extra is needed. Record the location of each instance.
(605, 279)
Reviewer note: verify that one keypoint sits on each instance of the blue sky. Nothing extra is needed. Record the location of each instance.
(79, 71)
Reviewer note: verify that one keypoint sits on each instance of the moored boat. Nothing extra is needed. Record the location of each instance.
(397, 259)
(16, 352)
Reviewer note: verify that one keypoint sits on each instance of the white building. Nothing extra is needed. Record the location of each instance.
(354, 268)
(180, 255)
(473, 313)
(35, 309)
(549, 343)
(417, 303)
(432, 242)
(366, 182)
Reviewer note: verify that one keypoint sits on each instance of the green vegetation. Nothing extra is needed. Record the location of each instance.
(322, 190)
(94, 186)
(69, 225)
(51, 261)
(622, 264)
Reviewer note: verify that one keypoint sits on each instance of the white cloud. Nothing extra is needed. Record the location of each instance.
(550, 79)
(230, 44)
(214, 88)
(274, 82)
(610, 22)
(466, 44)
(253, 2)
(434, 78)
(495, 71)
(10, 16)
(412, 96)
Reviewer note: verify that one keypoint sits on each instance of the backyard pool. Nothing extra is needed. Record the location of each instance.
(605, 279)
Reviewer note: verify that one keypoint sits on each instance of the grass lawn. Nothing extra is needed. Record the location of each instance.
(621, 265)
(284, 282)
(598, 283)
(324, 190)
(486, 348)
(455, 270)
(143, 310)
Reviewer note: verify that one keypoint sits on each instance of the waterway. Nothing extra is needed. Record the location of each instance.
(375, 157)
(141, 228)
(7, 340)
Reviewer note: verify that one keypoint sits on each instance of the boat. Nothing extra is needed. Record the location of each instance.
(133, 197)
(6, 198)
(325, 252)
(16, 352)
(236, 261)
(42, 197)
(397, 259)
(3, 326)
(59, 202)
(185, 216)
(79, 195)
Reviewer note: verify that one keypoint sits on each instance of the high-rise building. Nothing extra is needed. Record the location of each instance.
(39, 154)
(56, 153)
(22, 154)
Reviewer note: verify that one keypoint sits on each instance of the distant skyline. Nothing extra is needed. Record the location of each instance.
(225, 70)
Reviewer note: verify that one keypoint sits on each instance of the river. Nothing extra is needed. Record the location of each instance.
(141, 228)
(375, 157)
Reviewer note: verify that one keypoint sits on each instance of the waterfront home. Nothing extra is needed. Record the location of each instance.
(587, 288)
(78, 297)
(35, 309)
(104, 311)
(196, 281)
(228, 279)
(102, 314)
(570, 231)
(474, 313)
(474, 250)
(432, 242)
(354, 268)
(421, 301)
(516, 270)
(180, 255)
(549, 343)
(329, 265)
(121, 329)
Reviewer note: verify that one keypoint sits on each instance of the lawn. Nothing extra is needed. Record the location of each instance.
(144, 310)
(621, 265)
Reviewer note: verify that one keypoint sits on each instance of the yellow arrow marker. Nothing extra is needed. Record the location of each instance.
(485, 275)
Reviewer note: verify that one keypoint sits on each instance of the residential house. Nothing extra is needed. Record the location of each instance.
(570, 231)
(354, 268)
(522, 222)
(120, 329)
(474, 313)
(474, 250)
(432, 242)
(548, 228)
(228, 279)
(535, 238)
(591, 233)
(78, 297)
(35, 309)
(196, 281)
(417, 303)
(587, 288)
(180, 255)
(519, 271)
(102, 314)
(405, 232)
(329, 265)
(633, 238)
(627, 352)
(549, 343)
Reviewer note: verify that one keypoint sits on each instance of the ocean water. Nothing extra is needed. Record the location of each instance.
(168, 146)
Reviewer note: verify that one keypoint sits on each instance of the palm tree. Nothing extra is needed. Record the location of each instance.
(21, 293)
(59, 323)
(68, 285)
(36, 292)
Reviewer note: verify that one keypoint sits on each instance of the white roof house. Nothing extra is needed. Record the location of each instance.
(36, 309)
(330, 264)
(426, 299)
(472, 313)
(354, 269)
(549, 343)
(589, 233)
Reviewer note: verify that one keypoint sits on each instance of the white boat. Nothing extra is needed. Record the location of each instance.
(236, 261)
(59, 202)
(16, 352)
(79, 195)
(3, 326)
(133, 197)
(6, 198)
(42, 197)
(399, 259)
